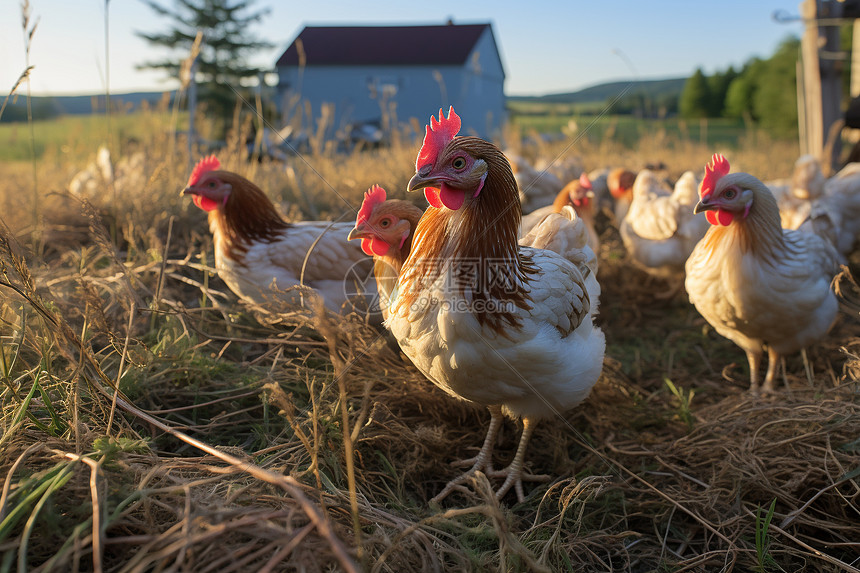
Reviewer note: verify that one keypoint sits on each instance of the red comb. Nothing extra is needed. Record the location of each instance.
(584, 180)
(372, 197)
(210, 163)
(718, 167)
(437, 136)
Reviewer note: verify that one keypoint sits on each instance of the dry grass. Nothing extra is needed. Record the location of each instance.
(239, 440)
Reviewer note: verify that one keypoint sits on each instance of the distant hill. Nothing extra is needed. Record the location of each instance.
(601, 92)
(45, 107)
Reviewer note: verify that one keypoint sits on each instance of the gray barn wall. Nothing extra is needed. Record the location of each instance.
(476, 90)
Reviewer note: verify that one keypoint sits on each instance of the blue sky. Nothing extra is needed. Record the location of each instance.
(547, 47)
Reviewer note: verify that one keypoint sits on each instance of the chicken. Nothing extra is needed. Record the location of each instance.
(660, 229)
(537, 188)
(794, 196)
(255, 248)
(486, 320)
(565, 166)
(97, 176)
(567, 234)
(756, 283)
(619, 183)
(807, 179)
(836, 214)
(385, 228)
(578, 194)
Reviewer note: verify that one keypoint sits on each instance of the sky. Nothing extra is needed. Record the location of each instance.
(546, 47)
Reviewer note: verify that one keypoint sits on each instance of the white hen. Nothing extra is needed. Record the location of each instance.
(660, 229)
(756, 283)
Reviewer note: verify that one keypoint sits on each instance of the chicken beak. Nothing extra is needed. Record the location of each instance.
(357, 232)
(187, 191)
(701, 207)
(421, 179)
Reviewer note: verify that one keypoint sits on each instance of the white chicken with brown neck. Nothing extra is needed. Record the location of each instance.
(756, 283)
(534, 356)
(260, 256)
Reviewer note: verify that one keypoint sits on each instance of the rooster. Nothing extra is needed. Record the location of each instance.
(484, 319)
(385, 228)
(255, 248)
(756, 283)
(660, 229)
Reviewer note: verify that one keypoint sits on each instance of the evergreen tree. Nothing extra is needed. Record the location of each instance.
(221, 65)
(695, 97)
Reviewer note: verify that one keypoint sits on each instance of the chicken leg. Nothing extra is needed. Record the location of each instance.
(514, 474)
(773, 361)
(754, 357)
(482, 462)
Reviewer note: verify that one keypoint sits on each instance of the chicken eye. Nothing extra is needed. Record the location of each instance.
(385, 223)
(458, 163)
(210, 184)
(729, 193)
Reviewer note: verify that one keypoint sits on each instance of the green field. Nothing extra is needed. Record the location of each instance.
(592, 121)
(77, 136)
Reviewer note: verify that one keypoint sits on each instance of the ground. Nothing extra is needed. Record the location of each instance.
(245, 439)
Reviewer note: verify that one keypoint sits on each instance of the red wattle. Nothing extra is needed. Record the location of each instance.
(712, 218)
(205, 203)
(719, 217)
(377, 246)
(725, 217)
(432, 196)
(451, 198)
(366, 247)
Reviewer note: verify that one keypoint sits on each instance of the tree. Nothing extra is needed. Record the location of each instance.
(775, 98)
(741, 92)
(718, 85)
(695, 97)
(222, 69)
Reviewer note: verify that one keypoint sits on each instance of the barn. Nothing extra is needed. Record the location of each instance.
(371, 74)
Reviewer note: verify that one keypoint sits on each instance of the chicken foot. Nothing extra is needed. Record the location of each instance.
(514, 474)
(482, 462)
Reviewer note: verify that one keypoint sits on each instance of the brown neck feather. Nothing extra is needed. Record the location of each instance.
(248, 216)
(483, 234)
(760, 232)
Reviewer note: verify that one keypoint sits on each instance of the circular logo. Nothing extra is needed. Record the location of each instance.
(361, 292)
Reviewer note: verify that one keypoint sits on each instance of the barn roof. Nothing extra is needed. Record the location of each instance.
(442, 45)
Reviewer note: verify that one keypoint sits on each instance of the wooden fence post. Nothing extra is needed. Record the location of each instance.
(822, 82)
